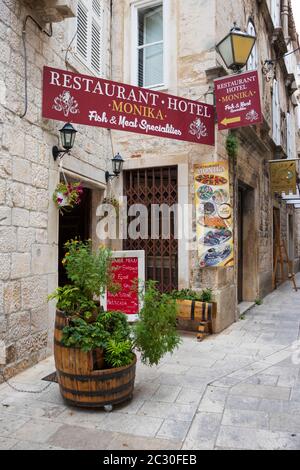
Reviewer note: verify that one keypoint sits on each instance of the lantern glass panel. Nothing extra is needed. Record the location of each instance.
(68, 134)
(117, 166)
(242, 47)
(225, 49)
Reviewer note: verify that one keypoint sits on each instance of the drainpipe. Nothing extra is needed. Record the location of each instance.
(285, 20)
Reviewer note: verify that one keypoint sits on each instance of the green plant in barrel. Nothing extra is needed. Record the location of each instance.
(89, 327)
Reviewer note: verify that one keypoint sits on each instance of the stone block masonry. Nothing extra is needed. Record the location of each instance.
(28, 175)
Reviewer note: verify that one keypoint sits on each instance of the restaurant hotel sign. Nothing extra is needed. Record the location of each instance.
(238, 101)
(92, 101)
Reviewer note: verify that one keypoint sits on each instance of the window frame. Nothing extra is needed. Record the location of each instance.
(92, 18)
(254, 53)
(275, 10)
(276, 114)
(290, 135)
(136, 7)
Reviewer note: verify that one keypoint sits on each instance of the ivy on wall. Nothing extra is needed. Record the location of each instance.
(232, 146)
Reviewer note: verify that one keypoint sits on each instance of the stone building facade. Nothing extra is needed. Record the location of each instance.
(110, 39)
(29, 221)
(185, 33)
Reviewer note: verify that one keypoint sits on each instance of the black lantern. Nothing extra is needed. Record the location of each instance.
(117, 166)
(67, 135)
(235, 48)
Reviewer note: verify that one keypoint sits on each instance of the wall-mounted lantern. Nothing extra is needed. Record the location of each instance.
(235, 48)
(117, 166)
(67, 135)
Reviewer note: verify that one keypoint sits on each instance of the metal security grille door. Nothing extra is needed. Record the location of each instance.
(155, 186)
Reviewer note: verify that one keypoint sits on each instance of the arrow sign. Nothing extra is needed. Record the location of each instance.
(238, 100)
(228, 121)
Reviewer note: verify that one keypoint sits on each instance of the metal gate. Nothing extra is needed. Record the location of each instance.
(148, 187)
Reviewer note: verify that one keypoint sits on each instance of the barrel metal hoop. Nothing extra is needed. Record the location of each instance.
(96, 378)
(99, 393)
(89, 404)
(193, 310)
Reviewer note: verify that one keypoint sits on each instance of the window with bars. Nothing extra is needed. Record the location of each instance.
(89, 34)
(150, 44)
(252, 63)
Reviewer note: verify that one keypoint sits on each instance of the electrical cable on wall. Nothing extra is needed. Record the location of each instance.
(49, 34)
(69, 48)
(111, 69)
(271, 61)
(269, 66)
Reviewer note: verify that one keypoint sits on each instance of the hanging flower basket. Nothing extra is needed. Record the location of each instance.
(112, 200)
(67, 195)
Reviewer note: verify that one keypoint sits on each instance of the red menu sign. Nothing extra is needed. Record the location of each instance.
(125, 274)
(93, 101)
(238, 100)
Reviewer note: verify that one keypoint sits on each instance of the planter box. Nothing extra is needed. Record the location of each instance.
(193, 315)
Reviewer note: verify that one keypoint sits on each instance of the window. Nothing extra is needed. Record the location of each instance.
(298, 117)
(290, 136)
(89, 34)
(289, 59)
(276, 114)
(150, 46)
(275, 13)
(252, 63)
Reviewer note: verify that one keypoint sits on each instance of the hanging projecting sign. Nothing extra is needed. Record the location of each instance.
(214, 214)
(238, 100)
(283, 176)
(93, 101)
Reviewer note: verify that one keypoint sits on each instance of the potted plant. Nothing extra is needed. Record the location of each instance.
(67, 195)
(94, 350)
(196, 311)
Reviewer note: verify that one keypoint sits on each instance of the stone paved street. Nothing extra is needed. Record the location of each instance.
(237, 390)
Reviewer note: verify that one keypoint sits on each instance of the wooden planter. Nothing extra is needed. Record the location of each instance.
(196, 316)
(80, 381)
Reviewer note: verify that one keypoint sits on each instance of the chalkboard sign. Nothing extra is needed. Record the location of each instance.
(129, 275)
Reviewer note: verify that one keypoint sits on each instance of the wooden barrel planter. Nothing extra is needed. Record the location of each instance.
(80, 380)
(196, 316)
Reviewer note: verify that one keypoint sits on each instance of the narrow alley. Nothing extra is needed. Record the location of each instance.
(237, 390)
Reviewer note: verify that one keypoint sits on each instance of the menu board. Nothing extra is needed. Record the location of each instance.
(214, 215)
(129, 274)
(125, 275)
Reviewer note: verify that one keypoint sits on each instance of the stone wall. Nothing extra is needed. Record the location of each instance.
(28, 176)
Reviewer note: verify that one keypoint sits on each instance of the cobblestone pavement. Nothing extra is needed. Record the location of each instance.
(237, 390)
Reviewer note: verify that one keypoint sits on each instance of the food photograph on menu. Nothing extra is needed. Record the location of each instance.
(213, 215)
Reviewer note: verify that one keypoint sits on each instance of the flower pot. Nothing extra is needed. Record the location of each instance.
(81, 382)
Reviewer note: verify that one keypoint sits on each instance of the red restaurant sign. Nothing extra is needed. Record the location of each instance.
(238, 100)
(94, 101)
(125, 275)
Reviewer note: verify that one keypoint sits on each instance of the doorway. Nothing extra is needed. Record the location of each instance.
(155, 186)
(291, 238)
(240, 247)
(73, 224)
(247, 265)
